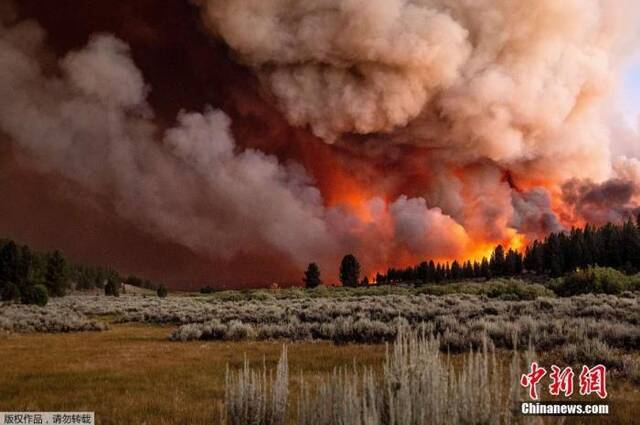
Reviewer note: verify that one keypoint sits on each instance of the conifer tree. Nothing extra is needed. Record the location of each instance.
(485, 269)
(349, 271)
(312, 276)
(456, 271)
(9, 262)
(497, 262)
(56, 274)
(422, 272)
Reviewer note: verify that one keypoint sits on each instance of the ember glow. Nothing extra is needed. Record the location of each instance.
(247, 138)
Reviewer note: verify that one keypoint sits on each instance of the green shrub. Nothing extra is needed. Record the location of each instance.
(515, 290)
(291, 293)
(633, 283)
(229, 296)
(36, 294)
(319, 292)
(437, 290)
(593, 280)
(260, 295)
(162, 291)
(507, 290)
(10, 292)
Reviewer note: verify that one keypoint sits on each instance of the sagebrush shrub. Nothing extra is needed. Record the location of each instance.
(631, 369)
(461, 320)
(55, 317)
(256, 397)
(418, 386)
(591, 351)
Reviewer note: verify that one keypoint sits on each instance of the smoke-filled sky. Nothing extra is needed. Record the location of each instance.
(630, 92)
(232, 142)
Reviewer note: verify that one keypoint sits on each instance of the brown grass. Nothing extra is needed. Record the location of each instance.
(133, 374)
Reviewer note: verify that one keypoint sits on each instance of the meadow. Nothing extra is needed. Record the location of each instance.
(219, 358)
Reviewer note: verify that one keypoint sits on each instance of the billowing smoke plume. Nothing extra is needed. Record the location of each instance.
(452, 125)
(92, 125)
(614, 200)
(512, 81)
(337, 65)
(513, 85)
(192, 185)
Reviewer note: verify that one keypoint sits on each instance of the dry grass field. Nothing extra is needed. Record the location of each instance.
(146, 360)
(132, 374)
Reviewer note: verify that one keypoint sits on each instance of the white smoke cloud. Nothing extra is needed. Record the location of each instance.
(105, 71)
(89, 122)
(342, 66)
(92, 125)
(517, 82)
(427, 231)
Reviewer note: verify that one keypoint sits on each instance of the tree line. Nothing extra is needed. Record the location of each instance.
(31, 276)
(612, 245)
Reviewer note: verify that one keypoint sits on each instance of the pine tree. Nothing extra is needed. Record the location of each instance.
(456, 271)
(56, 274)
(511, 263)
(468, 270)
(422, 272)
(476, 270)
(439, 276)
(24, 271)
(10, 292)
(553, 256)
(312, 276)
(349, 271)
(485, 268)
(84, 278)
(631, 245)
(589, 248)
(432, 272)
(390, 276)
(519, 263)
(497, 262)
(575, 250)
(9, 262)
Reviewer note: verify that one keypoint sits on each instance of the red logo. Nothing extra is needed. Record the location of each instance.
(594, 380)
(562, 381)
(591, 380)
(531, 379)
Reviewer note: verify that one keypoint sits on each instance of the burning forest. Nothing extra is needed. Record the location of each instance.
(248, 138)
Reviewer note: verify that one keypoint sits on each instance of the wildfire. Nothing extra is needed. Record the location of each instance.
(352, 197)
(417, 152)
